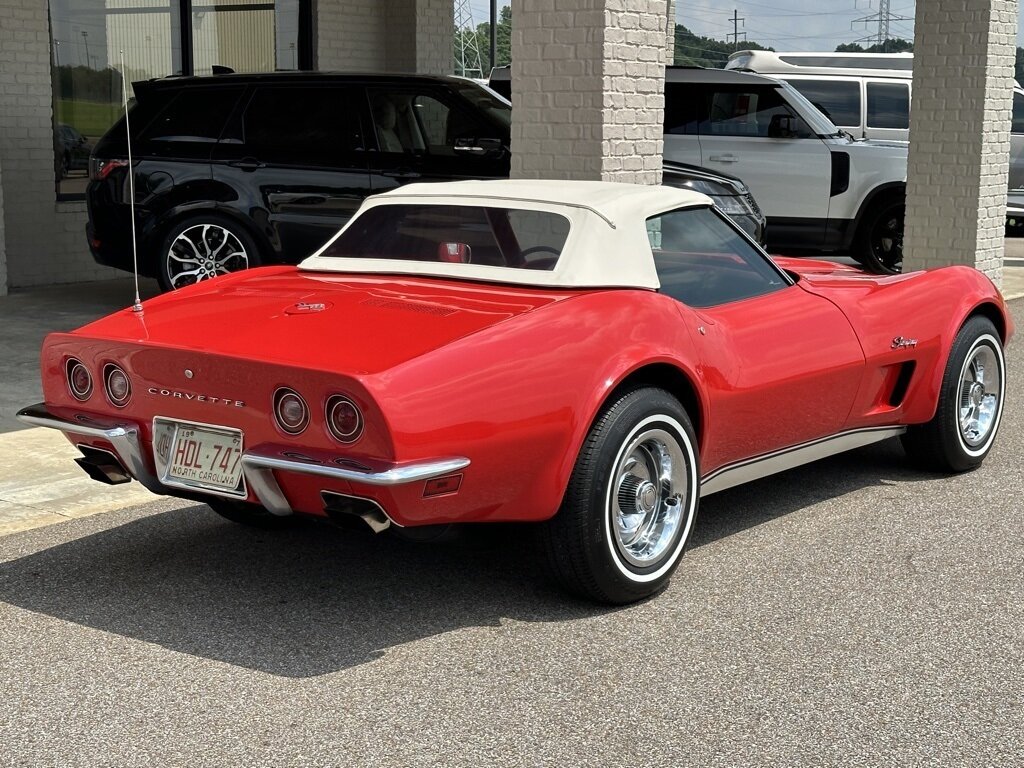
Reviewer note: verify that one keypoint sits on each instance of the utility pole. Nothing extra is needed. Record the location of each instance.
(735, 34)
(85, 36)
(494, 33)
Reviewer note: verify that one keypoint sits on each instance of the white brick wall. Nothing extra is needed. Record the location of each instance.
(588, 79)
(45, 240)
(385, 35)
(351, 34)
(960, 134)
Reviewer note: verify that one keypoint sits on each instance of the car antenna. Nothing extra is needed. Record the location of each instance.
(137, 306)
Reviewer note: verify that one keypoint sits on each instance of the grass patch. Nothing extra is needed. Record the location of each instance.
(90, 118)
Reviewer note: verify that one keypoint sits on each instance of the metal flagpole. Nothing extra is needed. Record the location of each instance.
(137, 306)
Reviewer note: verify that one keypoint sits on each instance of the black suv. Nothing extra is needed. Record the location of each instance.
(232, 171)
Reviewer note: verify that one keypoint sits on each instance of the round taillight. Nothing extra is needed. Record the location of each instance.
(79, 379)
(290, 411)
(119, 389)
(344, 420)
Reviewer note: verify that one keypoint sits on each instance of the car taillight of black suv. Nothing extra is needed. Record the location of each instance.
(233, 171)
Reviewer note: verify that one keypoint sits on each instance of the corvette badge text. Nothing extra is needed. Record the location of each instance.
(196, 398)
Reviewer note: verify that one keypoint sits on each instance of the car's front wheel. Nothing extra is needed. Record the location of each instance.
(631, 501)
(201, 247)
(961, 433)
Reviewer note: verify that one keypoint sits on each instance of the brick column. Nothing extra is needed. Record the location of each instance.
(588, 83)
(958, 167)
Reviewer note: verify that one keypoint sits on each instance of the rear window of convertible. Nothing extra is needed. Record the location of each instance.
(455, 234)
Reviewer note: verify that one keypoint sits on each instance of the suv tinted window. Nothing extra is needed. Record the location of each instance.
(424, 122)
(193, 114)
(747, 111)
(888, 105)
(686, 107)
(703, 262)
(839, 99)
(302, 125)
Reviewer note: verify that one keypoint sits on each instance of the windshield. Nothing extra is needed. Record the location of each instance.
(454, 234)
(486, 100)
(818, 123)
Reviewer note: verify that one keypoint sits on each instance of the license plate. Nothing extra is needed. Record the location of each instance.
(199, 456)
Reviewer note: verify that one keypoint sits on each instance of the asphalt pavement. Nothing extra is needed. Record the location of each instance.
(852, 612)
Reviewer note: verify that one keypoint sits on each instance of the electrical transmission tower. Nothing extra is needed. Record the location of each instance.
(467, 52)
(882, 19)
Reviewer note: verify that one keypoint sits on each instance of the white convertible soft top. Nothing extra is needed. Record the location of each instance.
(607, 244)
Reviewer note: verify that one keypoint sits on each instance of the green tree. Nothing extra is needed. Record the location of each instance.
(699, 51)
(892, 45)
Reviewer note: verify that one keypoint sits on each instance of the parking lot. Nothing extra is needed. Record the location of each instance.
(853, 612)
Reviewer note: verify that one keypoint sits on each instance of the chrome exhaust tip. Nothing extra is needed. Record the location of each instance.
(337, 506)
(102, 466)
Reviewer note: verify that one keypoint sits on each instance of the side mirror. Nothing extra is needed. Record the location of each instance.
(782, 127)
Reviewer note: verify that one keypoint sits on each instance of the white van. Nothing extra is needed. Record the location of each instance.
(867, 94)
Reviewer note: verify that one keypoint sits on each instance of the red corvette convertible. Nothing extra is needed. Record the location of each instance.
(593, 357)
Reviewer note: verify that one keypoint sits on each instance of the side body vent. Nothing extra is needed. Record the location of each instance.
(899, 389)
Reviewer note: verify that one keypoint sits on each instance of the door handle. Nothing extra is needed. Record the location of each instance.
(247, 164)
(722, 158)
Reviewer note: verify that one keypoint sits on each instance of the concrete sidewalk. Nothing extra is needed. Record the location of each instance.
(26, 317)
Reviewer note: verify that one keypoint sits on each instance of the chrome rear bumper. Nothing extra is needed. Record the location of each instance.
(258, 468)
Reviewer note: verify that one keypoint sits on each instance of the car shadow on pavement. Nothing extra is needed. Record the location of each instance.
(746, 506)
(313, 600)
(298, 603)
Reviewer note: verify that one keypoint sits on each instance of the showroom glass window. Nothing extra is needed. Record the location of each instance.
(159, 38)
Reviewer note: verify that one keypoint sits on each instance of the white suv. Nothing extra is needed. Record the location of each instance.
(821, 190)
(868, 94)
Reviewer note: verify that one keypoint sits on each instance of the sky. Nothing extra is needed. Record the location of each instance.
(785, 25)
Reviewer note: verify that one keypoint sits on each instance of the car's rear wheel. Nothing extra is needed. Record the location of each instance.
(631, 501)
(961, 433)
(201, 247)
(251, 515)
(880, 238)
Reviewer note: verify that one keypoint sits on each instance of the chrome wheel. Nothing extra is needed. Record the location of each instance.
(970, 403)
(648, 494)
(629, 507)
(203, 251)
(981, 386)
